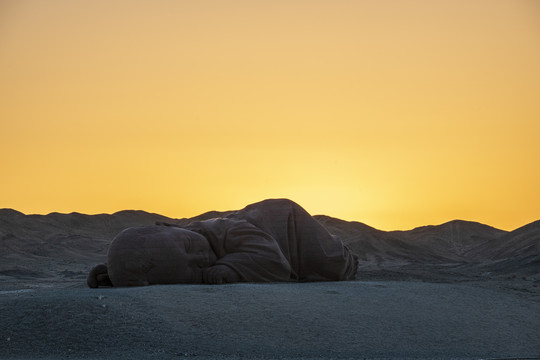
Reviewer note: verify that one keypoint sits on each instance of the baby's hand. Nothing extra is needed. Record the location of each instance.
(220, 274)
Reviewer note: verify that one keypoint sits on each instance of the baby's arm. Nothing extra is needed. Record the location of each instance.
(254, 255)
(245, 253)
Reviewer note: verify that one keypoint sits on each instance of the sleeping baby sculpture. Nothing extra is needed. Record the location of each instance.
(270, 241)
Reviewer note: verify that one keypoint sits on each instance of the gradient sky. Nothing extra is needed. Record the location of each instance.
(393, 113)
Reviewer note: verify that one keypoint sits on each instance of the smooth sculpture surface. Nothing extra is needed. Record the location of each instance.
(270, 241)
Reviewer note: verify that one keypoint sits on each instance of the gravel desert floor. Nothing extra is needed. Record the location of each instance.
(330, 320)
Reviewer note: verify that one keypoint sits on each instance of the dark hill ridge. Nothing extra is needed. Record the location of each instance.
(374, 245)
(72, 243)
(524, 241)
(47, 244)
(454, 239)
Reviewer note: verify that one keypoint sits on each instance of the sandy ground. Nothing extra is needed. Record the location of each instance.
(357, 319)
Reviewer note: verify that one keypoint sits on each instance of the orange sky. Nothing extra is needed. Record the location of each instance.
(393, 113)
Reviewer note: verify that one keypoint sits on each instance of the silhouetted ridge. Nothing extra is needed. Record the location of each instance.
(63, 237)
(338, 223)
(451, 240)
(10, 213)
(522, 242)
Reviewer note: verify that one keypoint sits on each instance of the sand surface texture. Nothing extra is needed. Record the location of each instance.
(454, 291)
(359, 319)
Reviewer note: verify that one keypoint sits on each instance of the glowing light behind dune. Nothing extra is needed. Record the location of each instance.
(393, 113)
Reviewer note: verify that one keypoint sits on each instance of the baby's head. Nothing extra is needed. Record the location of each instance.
(147, 255)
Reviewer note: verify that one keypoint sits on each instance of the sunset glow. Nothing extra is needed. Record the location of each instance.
(393, 113)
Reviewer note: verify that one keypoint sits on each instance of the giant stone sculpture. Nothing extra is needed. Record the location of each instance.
(270, 241)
